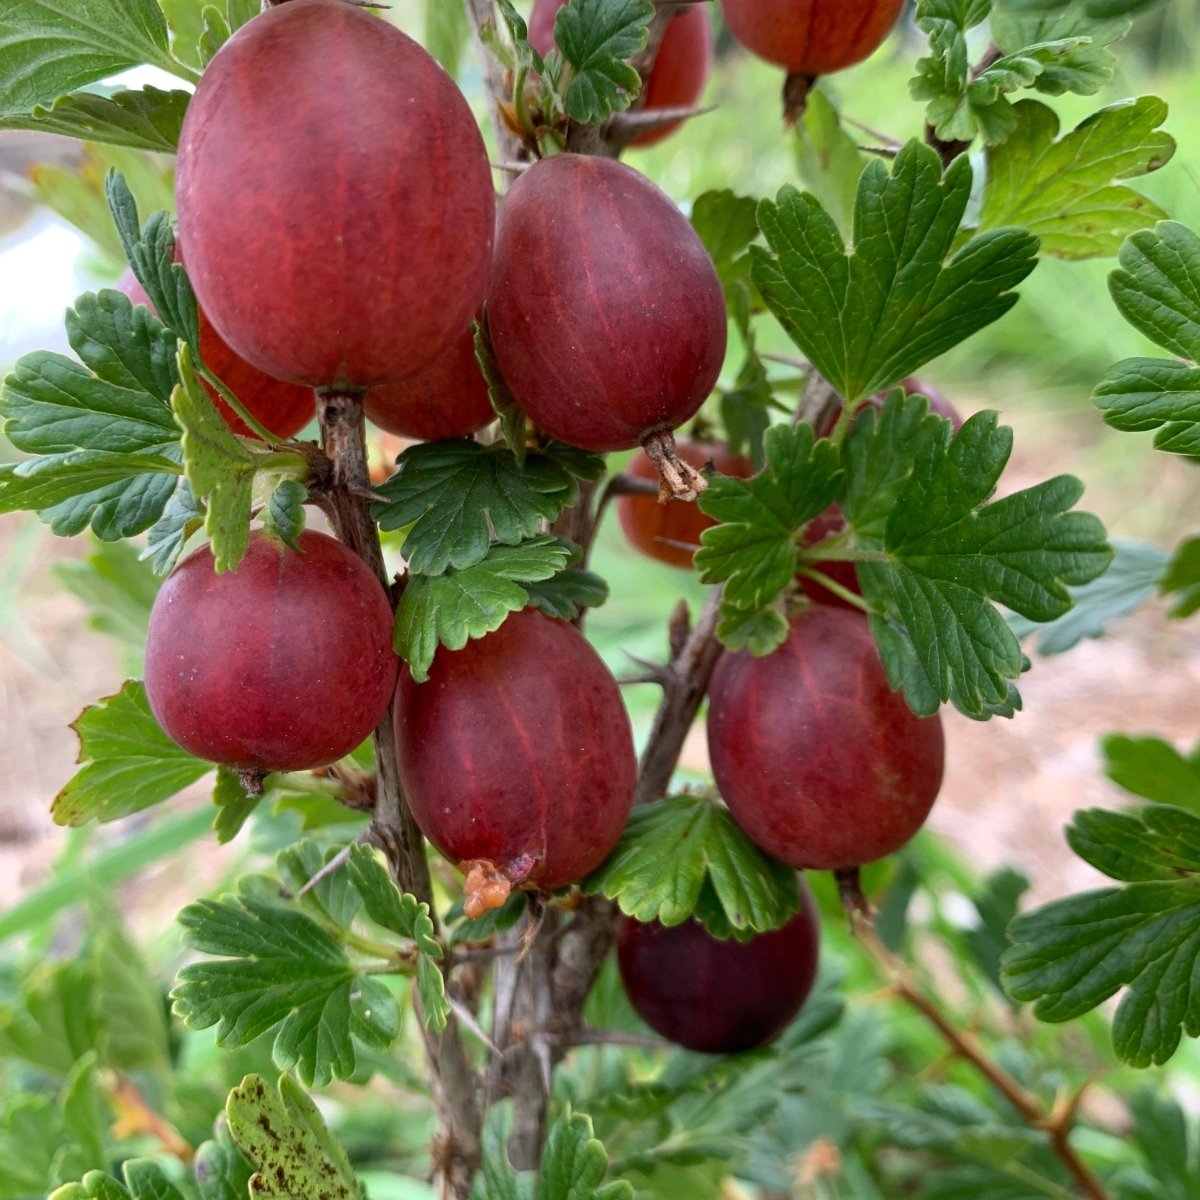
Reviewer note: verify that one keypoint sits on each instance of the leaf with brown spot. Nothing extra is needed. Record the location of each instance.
(287, 1143)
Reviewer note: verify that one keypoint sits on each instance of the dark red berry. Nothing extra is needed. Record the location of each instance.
(284, 408)
(517, 756)
(812, 37)
(671, 532)
(681, 67)
(719, 997)
(819, 761)
(446, 399)
(606, 313)
(335, 199)
(282, 665)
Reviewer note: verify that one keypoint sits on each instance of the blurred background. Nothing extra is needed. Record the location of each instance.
(69, 636)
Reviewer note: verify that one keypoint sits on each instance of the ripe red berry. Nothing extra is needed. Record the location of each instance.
(681, 67)
(282, 665)
(671, 532)
(335, 198)
(606, 313)
(283, 408)
(446, 399)
(819, 761)
(714, 996)
(517, 756)
(811, 37)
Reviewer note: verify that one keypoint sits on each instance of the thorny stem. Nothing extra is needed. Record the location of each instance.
(1057, 1124)
(455, 1086)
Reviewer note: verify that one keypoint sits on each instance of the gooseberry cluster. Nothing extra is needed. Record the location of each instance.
(322, 257)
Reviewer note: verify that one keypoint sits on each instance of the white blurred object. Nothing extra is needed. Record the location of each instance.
(42, 270)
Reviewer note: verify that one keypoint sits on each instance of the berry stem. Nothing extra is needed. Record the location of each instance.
(393, 829)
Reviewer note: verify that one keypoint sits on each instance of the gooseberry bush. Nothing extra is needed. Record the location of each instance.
(490, 941)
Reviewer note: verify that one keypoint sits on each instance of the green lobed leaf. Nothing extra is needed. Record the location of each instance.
(286, 1141)
(51, 47)
(87, 1117)
(493, 922)
(458, 495)
(1153, 769)
(144, 1180)
(596, 37)
(996, 901)
(727, 224)
(214, 33)
(55, 1019)
(1181, 579)
(753, 549)
(674, 849)
(496, 1179)
(1161, 1131)
(1073, 954)
(182, 516)
(1083, 64)
(285, 511)
(1157, 289)
(328, 895)
(575, 1163)
(1053, 52)
(947, 556)
(222, 1172)
(147, 119)
(451, 609)
(1065, 191)
(746, 409)
(96, 1185)
(568, 593)
(514, 425)
(945, 77)
(404, 914)
(103, 425)
(150, 251)
(219, 468)
(280, 970)
(1138, 394)
(129, 764)
(128, 998)
(867, 318)
(1129, 582)
(233, 803)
